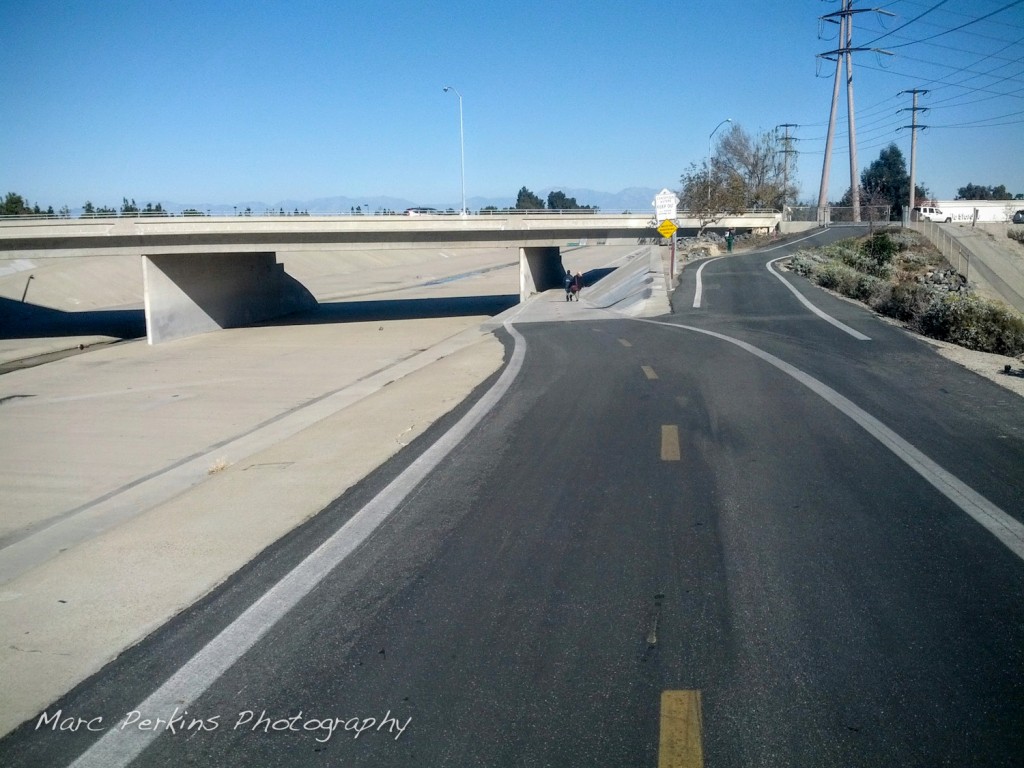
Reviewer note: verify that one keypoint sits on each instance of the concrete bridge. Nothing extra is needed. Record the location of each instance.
(202, 273)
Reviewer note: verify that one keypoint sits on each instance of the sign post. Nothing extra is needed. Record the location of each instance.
(666, 209)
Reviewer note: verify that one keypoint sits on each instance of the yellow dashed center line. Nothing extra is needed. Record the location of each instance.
(679, 745)
(670, 442)
(625, 343)
(649, 372)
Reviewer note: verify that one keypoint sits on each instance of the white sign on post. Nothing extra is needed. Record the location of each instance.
(666, 205)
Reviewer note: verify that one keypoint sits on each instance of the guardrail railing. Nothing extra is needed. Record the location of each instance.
(278, 214)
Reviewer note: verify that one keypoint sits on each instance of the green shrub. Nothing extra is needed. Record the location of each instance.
(975, 323)
(875, 255)
(804, 263)
(904, 300)
(832, 275)
(866, 263)
(845, 280)
(880, 247)
(865, 273)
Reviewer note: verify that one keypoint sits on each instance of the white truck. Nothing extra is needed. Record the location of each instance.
(928, 213)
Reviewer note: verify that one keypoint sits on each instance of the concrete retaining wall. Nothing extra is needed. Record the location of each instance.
(540, 269)
(186, 294)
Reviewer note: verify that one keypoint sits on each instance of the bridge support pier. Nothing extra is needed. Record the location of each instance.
(540, 269)
(191, 293)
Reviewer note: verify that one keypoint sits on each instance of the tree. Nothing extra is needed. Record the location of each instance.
(711, 194)
(128, 208)
(557, 201)
(14, 205)
(975, 192)
(759, 161)
(526, 200)
(745, 172)
(886, 182)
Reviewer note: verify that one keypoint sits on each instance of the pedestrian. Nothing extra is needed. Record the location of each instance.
(728, 239)
(567, 282)
(577, 285)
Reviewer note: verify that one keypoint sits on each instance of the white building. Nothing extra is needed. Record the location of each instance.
(987, 210)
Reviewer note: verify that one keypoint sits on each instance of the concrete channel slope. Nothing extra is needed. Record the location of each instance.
(137, 478)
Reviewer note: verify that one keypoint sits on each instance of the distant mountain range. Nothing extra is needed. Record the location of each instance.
(631, 199)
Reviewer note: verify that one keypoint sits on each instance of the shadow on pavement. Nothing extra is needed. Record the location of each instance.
(19, 320)
(30, 321)
(593, 275)
(399, 309)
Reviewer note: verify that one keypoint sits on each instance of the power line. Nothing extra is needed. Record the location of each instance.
(962, 26)
(934, 7)
(979, 123)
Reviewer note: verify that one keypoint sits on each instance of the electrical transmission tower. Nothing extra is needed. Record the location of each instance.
(844, 53)
(787, 143)
(914, 126)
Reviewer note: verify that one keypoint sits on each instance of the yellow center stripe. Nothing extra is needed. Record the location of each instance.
(649, 372)
(679, 745)
(670, 442)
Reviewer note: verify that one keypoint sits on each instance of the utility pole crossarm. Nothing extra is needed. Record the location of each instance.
(914, 126)
(844, 18)
(830, 17)
(786, 152)
(843, 51)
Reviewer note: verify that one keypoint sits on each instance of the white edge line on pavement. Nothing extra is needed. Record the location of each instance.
(803, 300)
(119, 747)
(790, 242)
(699, 291)
(1008, 530)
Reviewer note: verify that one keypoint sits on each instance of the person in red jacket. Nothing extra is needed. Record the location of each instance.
(577, 286)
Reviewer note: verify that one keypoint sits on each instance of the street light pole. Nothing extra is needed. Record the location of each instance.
(727, 120)
(462, 147)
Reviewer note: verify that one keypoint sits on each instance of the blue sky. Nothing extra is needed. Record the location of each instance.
(226, 102)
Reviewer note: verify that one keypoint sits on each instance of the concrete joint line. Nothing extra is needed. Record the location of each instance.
(1008, 530)
(21, 553)
(119, 747)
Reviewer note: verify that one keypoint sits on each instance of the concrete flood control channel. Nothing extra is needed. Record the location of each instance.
(219, 445)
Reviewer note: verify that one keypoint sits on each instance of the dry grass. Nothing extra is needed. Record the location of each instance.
(218, 466)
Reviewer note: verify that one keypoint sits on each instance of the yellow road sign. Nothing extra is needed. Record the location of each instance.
(667, 228)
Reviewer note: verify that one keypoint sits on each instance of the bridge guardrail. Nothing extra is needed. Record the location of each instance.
(303, 214)
(268, 214)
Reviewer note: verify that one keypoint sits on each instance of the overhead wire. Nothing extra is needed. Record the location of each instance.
(964, 78)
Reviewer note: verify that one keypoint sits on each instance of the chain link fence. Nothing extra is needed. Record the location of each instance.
(835, 214)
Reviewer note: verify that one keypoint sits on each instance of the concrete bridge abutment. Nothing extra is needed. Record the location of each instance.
(540, 269)
(190, 293)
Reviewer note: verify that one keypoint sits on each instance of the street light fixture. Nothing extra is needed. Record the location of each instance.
(727, 120)
(462, 147)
